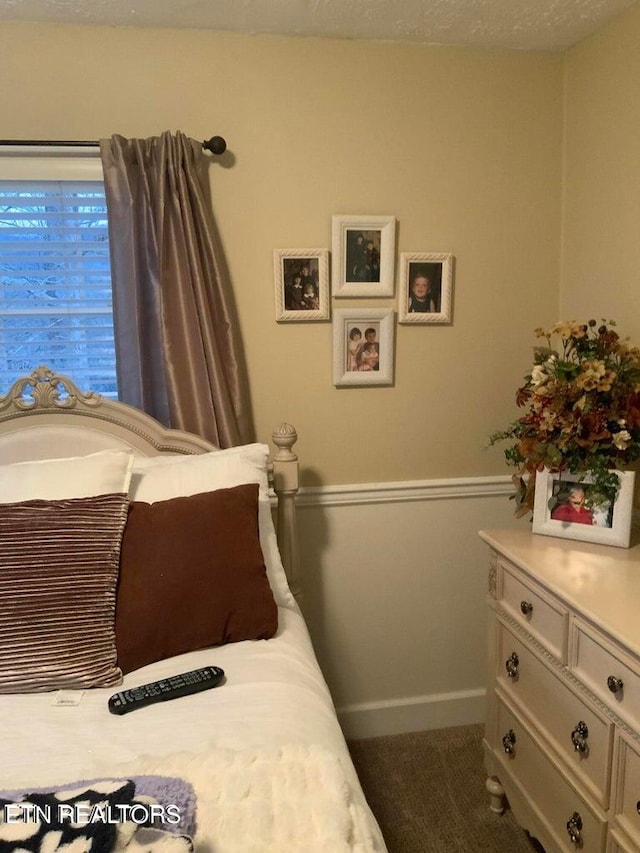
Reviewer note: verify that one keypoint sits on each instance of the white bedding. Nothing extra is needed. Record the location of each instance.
(273, 704)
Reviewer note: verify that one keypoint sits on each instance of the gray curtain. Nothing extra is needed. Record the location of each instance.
(177, 349)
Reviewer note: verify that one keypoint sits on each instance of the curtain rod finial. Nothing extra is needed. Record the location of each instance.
(217, 145)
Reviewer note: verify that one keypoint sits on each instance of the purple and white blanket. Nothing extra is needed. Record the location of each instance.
(149, 812)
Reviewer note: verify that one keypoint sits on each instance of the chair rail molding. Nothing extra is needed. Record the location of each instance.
(402, 492)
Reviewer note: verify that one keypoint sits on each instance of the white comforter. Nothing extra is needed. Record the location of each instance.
(272, 722)
(294, 799)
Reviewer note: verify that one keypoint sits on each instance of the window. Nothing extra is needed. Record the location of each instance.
(55, 282)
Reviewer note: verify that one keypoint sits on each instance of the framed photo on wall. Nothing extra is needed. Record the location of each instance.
(426, 285)
(363, 255)
(301, 279)
(567, 506)
(363, 346)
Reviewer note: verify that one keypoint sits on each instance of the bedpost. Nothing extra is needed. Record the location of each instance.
(285, 480)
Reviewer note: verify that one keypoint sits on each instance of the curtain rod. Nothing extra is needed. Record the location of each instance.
(216, 145)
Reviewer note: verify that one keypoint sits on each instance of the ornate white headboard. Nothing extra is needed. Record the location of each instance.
(45, 415)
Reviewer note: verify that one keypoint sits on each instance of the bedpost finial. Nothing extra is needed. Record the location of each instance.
(284, 437)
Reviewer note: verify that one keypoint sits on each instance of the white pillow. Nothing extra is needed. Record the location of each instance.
(160, 478)
(103, 473)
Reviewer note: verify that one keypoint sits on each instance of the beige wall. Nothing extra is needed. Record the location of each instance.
(462, 146)
(601, 239)
(601, 177)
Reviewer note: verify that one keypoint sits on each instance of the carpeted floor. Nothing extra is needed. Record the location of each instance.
(427, 790)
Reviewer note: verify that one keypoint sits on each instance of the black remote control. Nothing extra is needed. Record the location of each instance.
(167, 688)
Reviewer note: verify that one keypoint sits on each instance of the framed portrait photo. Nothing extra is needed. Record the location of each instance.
(363, 255)
(363, 346)
(426, 286)
(567, 505)
(301, 279)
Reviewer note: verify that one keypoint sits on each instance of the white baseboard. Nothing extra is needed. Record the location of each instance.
(420, 713)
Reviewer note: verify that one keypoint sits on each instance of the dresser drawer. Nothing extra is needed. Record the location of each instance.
(539, 613)
(579, 734)
(615, 844)
(607, 671)
(626, 804)
(545, 787)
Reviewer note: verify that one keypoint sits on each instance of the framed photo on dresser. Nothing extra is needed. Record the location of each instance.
(567, 505)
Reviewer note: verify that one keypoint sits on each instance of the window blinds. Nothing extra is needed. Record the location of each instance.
(55, 283)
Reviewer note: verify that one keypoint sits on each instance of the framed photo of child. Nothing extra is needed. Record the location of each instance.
(363, 255)
(363, 346)
(568, 506)
(301, 279)
(426, 286)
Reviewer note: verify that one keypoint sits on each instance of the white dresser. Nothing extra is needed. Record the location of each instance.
(562, 736)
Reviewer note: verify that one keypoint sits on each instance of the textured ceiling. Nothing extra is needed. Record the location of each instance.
(518, 24)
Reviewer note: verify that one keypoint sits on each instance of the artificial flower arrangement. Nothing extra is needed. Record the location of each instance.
(582, 410)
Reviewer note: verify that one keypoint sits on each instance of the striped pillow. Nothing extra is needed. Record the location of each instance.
(59, 564)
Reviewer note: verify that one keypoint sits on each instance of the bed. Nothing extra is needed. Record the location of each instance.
(130, 553)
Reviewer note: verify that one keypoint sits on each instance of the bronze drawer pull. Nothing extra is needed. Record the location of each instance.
(526, 607)
(579, 737)
(508, 742)
(574, 828)
(511, 665)
(614, 684)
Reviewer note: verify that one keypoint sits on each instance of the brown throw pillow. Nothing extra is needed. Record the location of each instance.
(192, 575)
(58, 574)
